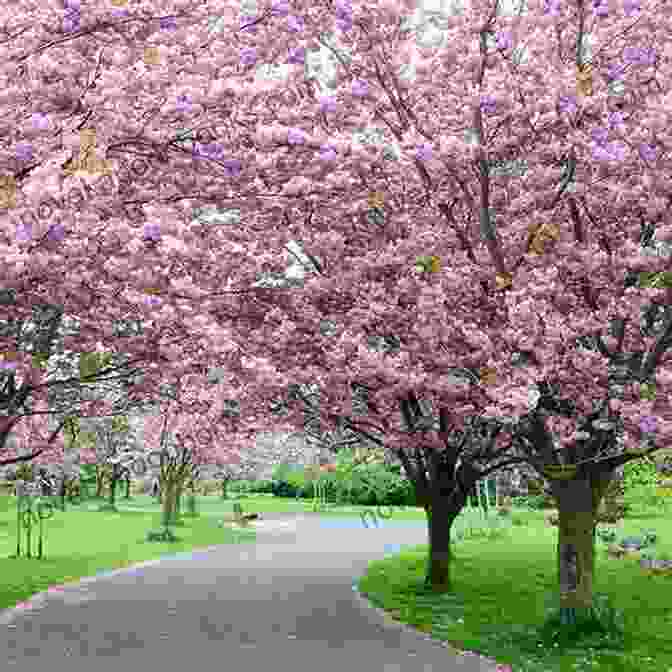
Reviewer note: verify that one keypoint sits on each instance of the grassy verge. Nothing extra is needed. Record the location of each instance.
(505, 586)
(81, 543)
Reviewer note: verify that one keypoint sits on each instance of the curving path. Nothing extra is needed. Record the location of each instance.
(285, 603)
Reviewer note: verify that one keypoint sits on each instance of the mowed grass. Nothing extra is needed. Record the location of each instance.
(214, 505)
(505, 585)
(83, 542)
(504, 577)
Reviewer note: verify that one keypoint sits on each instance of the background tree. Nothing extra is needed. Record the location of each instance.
(112, 443)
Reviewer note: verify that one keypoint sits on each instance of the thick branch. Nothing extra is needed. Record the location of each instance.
(27, 458)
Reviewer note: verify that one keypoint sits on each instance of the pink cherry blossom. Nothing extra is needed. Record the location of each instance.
(309, 181)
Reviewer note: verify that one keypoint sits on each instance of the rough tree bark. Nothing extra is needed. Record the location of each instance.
(168, 492)
(578, 502)
(440, 519)
(100, 481)
(113, 489)
(442, 475)
(179, 487)
(442, 482)
(115, 477)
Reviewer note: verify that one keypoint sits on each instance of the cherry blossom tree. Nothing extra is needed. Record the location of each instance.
(534, 286)
(187, 430)
(110, 439)
(467, 267)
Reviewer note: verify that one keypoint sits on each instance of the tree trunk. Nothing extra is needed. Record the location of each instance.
(576, 562)
(441, 488)
(114, 479)
(191, 500)
(100, 481)
(440, 522)
(178, 499)
(578, 501)
(62, 491)
(156, 489)
(169, 495)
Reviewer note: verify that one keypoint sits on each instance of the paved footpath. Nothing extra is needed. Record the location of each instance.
(285, 603)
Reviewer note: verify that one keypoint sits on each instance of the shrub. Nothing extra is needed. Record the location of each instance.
(367, 485)
(297, 479)
(400, 493)
(283, 489)
(606, 535)
(262, 486)
(534, 502)
(282, 471)
(639, 484)
(165, 535)
(611, 511)
(241, 487)
(364, 484)
(329, 482)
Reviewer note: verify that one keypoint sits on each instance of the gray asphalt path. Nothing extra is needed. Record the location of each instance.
(284, 603)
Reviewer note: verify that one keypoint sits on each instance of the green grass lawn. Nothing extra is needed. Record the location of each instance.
(504, 574)
(505, 584)
(82, 542)
(214, 505)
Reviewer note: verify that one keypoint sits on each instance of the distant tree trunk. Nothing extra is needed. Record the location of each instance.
(100, 480)
(169, 502)
(114, 479)
(63, 490)
(191, 499)
(178, 499)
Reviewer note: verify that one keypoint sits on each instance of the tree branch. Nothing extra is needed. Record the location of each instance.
(27, 458)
